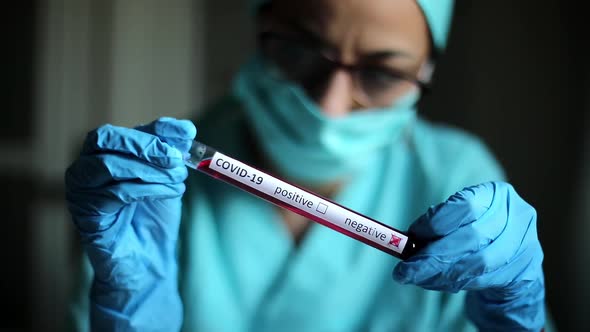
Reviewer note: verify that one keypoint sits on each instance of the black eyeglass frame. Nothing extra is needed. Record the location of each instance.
(263, 37)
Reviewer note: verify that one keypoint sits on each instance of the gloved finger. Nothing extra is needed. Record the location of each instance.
(107, 201)
(435, 263)
(521, 269)
(167, 227)
(462, 208)
(517, 239)
(108, 247)
(475, 255)
(177, 133)
(458, 261)
(516, 255)
(446, 251)
(455, 231)
(93, 171)
(132, 142)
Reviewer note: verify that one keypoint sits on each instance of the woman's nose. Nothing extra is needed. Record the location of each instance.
(336, 99)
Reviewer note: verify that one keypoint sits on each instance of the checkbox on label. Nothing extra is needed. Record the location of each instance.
(322, 208)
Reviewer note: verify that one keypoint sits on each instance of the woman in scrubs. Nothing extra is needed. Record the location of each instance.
(328, 103)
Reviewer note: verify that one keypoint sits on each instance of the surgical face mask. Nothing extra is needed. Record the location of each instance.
(304, 144)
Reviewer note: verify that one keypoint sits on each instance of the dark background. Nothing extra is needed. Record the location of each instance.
(516, 73)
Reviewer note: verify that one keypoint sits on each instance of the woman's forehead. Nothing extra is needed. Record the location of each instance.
(362, 25)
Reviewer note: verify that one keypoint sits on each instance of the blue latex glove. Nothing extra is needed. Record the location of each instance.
(484, 240)
(124, 194)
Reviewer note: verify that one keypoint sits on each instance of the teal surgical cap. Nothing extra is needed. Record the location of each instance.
(438, 14)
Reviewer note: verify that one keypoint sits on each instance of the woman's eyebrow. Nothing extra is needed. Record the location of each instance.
(307, 31)
(386, 54)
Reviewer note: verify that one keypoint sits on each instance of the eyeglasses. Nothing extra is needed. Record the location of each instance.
(309, 66)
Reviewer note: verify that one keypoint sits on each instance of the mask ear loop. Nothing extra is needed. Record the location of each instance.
(425, 75)
(426, 71)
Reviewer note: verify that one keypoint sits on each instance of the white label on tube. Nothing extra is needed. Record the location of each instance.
(308, 202)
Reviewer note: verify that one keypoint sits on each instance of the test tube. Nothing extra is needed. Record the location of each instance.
(303, 202)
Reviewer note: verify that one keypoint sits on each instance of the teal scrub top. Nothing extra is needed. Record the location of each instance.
(240, 270)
